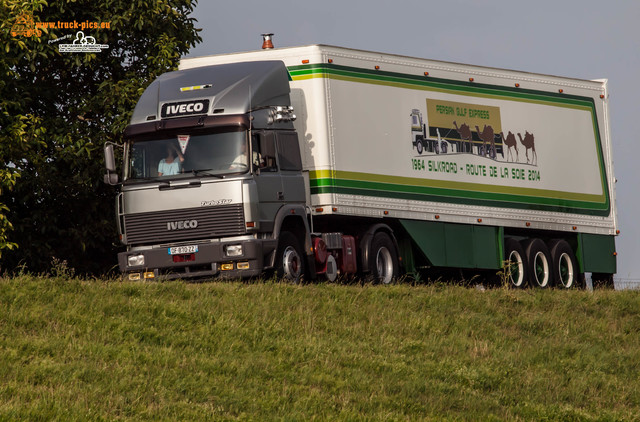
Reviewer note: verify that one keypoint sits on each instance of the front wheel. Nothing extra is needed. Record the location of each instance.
(383, 260)
(289, 258)
(419, 146)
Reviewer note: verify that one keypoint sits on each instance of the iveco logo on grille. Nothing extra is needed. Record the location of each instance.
(184, 108)
(182, 225)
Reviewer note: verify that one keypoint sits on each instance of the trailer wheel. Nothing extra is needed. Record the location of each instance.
(436, 147)
(539, 261)
(565, 265)
(383, 259)
(419, 146)
(516, 264)
(289, 258)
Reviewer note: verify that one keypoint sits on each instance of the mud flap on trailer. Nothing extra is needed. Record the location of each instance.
(596, 253)
(457, 245)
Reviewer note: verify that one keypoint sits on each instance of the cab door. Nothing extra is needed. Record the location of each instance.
(267, 177)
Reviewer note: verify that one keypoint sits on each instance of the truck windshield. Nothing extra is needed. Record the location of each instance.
(179, 156)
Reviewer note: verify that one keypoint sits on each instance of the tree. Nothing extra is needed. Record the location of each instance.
(57, 109)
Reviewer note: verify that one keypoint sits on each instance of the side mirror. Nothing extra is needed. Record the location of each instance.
(109, 158)
(111, 178)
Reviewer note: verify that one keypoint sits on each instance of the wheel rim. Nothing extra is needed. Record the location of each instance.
(291, 263)
(384, 265)
(419, 147)
(541, 269)
(516, 269)
(566, 271)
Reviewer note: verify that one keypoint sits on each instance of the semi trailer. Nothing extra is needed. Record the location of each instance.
(319, 161)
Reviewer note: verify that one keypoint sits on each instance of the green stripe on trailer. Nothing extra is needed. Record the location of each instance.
(455, 192)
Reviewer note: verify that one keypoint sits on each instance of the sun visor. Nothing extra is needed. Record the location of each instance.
(234, 88)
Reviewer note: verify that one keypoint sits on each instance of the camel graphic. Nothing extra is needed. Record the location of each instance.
(529, 144)
(487, 138)
(465, 133)
(510, 141)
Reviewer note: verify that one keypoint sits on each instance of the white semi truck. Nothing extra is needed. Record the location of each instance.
(317, 161)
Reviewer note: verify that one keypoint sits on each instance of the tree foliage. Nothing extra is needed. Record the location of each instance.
(57, 109)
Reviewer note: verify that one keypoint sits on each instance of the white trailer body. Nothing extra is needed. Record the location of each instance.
(553, 172)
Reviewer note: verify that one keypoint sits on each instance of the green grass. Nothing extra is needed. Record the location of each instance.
(96, 350)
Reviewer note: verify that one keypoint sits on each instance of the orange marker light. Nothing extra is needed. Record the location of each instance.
(386, 213)
(575, 228)
(561, 90)
(305, 61)
(334, 209)
(527, 224)
(479, 220)
(601, 95)
(319, 209)
(377, 67)
(517, 85)
(330, 60)
(471, 79)
(437, 217)
(426, 73)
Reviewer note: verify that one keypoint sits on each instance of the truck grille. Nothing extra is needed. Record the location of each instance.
(177, 225)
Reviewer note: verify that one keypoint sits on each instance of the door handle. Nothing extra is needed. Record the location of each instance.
(280, 196)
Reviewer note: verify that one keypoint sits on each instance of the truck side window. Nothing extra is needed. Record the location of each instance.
(267, 151)
(289, 151)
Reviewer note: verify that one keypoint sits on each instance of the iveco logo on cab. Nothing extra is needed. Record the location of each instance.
(184, 108)
(182, 225)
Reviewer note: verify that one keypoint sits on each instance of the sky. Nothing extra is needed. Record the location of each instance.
(587, 39)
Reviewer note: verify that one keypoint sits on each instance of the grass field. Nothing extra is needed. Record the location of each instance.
(107, 350)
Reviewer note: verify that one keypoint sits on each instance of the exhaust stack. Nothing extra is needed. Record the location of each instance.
(267, 44)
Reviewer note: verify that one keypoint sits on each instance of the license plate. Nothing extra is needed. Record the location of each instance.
(181, 250)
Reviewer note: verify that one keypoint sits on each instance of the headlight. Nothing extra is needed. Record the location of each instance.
(233, 250)
(135, 260)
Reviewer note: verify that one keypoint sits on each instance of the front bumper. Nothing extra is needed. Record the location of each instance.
(210, 261)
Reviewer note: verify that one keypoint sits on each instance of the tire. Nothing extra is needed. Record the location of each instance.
(564, 264)
(419, 146)
(289, 258)
(481, 150)
(514, 258)
(436, 147)
(443, 149)
(539, 260)
(383, 259)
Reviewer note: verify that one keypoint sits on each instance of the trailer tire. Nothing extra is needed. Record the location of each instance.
(539, 260)
(419, 146)
(516, 264)
(564, 264)
(383, 259)
(289, 258)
